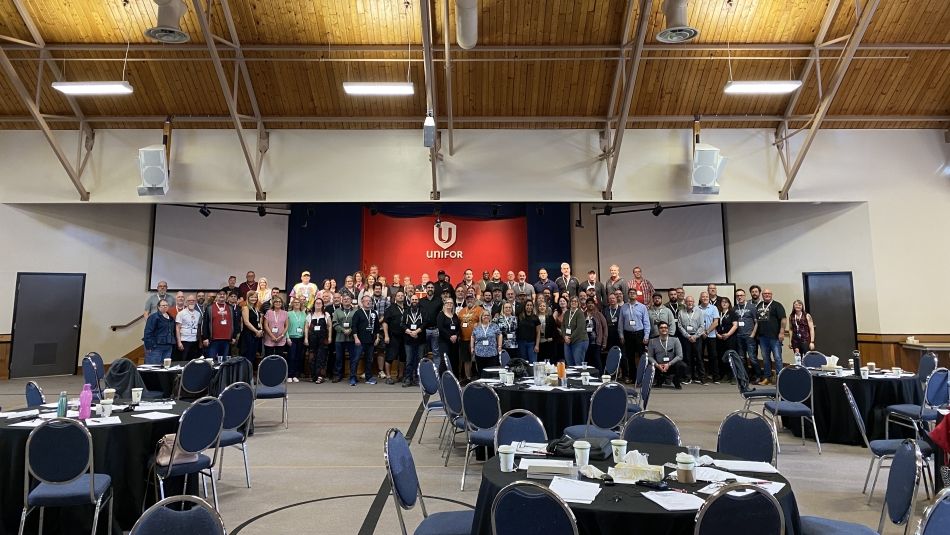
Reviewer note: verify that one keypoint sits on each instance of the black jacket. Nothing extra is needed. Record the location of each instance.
(365, 328)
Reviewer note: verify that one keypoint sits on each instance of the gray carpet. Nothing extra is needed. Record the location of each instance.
(323, 473)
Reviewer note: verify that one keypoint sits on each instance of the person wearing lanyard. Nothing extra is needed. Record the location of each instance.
(612, 315)
(297, 319)
(634, 334)
(674, 306)
(544, 283)
(187, 323)
(592, 283)
(691, 328)
(522, 287)
(549, 328)
(431, 305)
(415, 341)
(508, 326)
(218, 328)
(666, 355)
(615, 282)
(529, 332)
(343, 334)
(252, 332)
(574, 333)
(468, 316)
(276, 324)
(380, 304)
(642, 286)
(317, 338)
(486, 339)
(567, 285)
(771, 319)
(659, 313)
(450, 330)
(596, 327)
(745, 336)
(394, 337)
(710, 323)
(365, 331)
(159, 335)
(803, 329)
(305, 291)
(726, 338)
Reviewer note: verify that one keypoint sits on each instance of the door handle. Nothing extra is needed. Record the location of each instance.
(75, 326)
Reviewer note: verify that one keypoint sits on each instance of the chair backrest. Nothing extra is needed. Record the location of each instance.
(517, 425)
(504, 358)
(200, 426)
(738, 370)
(652, 427)
(233, 370)
(734, 508)
(58, 450)
(196, 377)
(34, 395)
(480, 406)
(608, 405)
(643, 365)
(936, 519)
(91, 376)
(123, 376)
(748, 435)
(451, 394)
(162, 518)
(794, 384)
(238, 403)
(927, 365)
(814, 359)
(272, 371)
(857, 415)
(401, 469)
(97, 360)
(527, 508)
(428, 378)
(903, 481)
(937, 388)
(613, 361)
(646, 385)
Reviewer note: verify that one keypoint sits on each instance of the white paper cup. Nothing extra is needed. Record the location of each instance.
(839, 370)
(864, 373)
(167, 363)
(585, 378)
(581, 452)
(108, 393)
(605, 378)
(506, 456)
(105, 408)
(136, 395)
(510, 378)
(619, 448)
(871, 366)
(896, 370)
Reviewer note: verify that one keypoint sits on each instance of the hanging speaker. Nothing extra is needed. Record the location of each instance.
(708, 165)
(153, 169)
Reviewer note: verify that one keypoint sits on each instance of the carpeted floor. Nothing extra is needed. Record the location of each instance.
(323, 474)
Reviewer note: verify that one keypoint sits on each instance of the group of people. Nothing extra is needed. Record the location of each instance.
(393, 324)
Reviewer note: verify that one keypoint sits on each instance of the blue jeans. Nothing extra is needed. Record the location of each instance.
(366, 351)
(158, 354)
(748, 349)
(576, 353)
(340, 347)
(432, 341)
(219, 348)
(527, 350)
(296, 357)
(414, 353)
(773, 346)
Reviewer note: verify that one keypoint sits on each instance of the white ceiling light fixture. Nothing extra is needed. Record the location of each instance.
(93, 88)
(761, 87)
(378, 88)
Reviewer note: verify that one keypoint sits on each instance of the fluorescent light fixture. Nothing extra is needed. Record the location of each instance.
(93, 88)
(762, 87)
(378, 88)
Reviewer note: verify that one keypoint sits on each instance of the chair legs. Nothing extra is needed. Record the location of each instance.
(425, 420)
(468, 454)
(880, 464)
(867, 478)
(815, 429)
(247, 467)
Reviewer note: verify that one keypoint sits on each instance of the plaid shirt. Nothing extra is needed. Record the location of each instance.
(380, 305)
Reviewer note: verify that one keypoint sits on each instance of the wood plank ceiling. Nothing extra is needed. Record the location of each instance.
(302, 76)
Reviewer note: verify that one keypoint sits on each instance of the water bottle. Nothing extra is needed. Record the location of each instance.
(61, 405)
(856, 361)
(85, 401)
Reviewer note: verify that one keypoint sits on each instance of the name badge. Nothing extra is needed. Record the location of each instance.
(299, 330)
(346, 325)
(567, 331)
(639, 292)
(510, 336)
(355, 302)
(452, 327)
(590, 329)
(465, 325)
(372, 314)
(413, 326)
(317, 328)
(741, 324)
(666, 359)
(484, 342)
(689, 328)
(633, 323)
(274, 330)
(224, 322)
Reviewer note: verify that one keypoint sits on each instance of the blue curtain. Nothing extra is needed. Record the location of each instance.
(549, 238)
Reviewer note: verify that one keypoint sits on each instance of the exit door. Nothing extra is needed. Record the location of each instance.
(829, 297)
(47, 321)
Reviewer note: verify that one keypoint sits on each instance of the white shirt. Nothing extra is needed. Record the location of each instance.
(189, 321)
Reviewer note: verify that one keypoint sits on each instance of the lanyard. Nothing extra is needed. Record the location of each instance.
(665, 344)
(484, 331)
(613, 314)
(570, 319)
(369, 319)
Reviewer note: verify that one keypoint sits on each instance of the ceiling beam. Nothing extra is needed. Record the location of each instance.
(841, 69)
(646, 7)
(425, 17)
(252, 165)
(618, 75)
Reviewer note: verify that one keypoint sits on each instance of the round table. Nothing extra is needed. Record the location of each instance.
(122, 451)
(873, 395)
(610, 515)
(556, 408)
(164, 380)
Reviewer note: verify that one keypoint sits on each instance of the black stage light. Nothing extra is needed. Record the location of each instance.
(608, 210)
(657, 210)
(261, 211)
(204, 210)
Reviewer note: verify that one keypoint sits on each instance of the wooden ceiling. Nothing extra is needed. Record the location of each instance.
(298, 79)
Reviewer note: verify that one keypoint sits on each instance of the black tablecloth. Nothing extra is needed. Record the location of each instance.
(632, 513)
(556, 408)
(121, 451)
(833, 414)
(161, 380)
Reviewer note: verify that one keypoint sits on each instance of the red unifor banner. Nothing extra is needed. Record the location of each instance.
(415, 245)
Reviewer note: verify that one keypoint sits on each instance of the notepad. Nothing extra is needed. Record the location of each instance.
(154, 415)
(772, 487)
(574, 491)
(529, 448)
(675, 501)
(112, 420)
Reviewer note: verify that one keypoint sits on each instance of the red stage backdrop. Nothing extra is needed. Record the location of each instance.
(413, 245)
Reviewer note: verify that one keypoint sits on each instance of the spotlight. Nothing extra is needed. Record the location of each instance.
(657, 210)
(539, 209)
(373, 210)
(494, 211)
(438, 222)
(608, 209)
(261, 211)
(204, 210)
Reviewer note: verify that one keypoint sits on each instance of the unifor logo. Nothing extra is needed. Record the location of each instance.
(445, 234)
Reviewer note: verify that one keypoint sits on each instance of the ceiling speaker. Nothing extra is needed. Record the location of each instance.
(708, 165)
(153, 169)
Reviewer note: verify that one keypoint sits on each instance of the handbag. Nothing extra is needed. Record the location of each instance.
(166, 445)
(600, 449)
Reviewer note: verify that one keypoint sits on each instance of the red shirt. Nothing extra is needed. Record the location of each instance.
(222, 322)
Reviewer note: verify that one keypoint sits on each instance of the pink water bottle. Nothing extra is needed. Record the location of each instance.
(85, 402)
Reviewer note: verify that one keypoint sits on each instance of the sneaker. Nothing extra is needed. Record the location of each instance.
(296, 380)
(678, 386)
(371, 381)
(715, 381)
(290, 379)
(382, 374)
(352, 382)
(390, 381)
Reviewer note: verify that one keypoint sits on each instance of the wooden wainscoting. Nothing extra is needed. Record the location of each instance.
(5, 345)
(886, 351)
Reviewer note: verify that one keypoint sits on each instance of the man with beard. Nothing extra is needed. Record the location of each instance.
(343, 334)
(394, 334)
(431, 305)
(365, 331)
(414, 341)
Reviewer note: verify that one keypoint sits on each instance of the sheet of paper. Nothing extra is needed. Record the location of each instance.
(771, 487)
(525, 463)
(529, 448)
(746, 466)
(28, 423)
(31, 412)
(154, 415)
(543, 388)
(574, 491)
(112, 420)
(712, 475)
(51, 415)
(143, 407)
(495, 369)
(49, 405)
(567, 388)
(489, 381)
(675, 501)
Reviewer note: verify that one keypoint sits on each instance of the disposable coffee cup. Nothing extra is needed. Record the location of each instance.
(167, 362)
(506, 456)
(839, 371)
(581, 452)
(619, 448)
(105, 408)
(685, 476)
(509, 378)
(605, 378)
(108, 393)
(585, 378)
(871, 366)
(864, 373)
(136, 395)
(896, 370)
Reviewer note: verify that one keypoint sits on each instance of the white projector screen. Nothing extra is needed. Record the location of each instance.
(684, 244)
(193, 252)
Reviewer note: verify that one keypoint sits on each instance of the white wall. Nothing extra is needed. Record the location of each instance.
(107, 243)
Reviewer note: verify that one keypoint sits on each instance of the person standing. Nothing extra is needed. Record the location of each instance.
(574, 333)
(508, 327)
(691, 329)
(177, 306)
(771, 320)
(365, 331)
(674, 306)
(549, 331)
(802, 329)
(394, 336)
(305, 292)
(396, 286)
(297, 327)
(349, 290)
(276, 324)
(252, 332)
(264, 295)
(529, 333)
(714, 298)
(231, 288)
(468, 317)
(593, 284)
(521, 287)
(641, 285)
(219, 329)
(634, 334)
(187, 325)
(249, 285)
(431, 305)
(415, 341)
(544, 283)
(485, 343)
(596, 326)
(710, 323)
(659, 313)
(567, 284)
(615, 283)
(317, 337)
(726, 338)
(755, 295)
(151, 303)
(666, 355)
(745, 335)
(380, 305)
(343, 335)
(612, 315)
(450, 329)
(159, 335)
